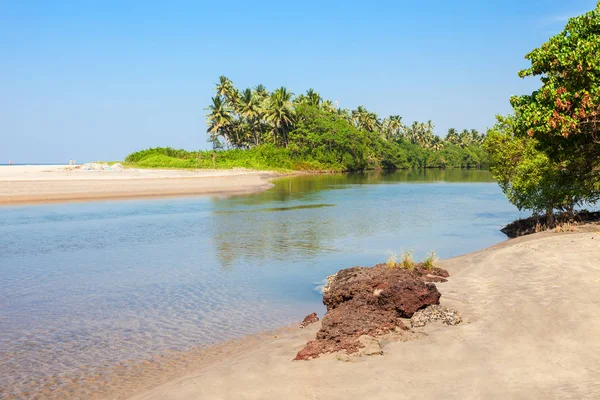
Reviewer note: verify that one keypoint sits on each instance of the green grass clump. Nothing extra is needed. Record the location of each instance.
(401, 261)
(431, 260)
(265, 157)
(406, 260)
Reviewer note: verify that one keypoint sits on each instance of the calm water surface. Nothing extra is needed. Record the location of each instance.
(97, 283)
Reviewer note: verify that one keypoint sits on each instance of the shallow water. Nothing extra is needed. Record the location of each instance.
(89, 285)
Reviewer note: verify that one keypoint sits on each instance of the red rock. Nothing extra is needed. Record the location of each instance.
(370, 301)
(309, 319)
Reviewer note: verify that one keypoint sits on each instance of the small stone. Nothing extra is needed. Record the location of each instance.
(435, 313)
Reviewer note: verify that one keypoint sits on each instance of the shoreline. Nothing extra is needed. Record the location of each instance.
(528, 331)
(21, 185)
(484, 298)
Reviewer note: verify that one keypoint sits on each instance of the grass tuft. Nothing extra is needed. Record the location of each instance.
(406, 260)
(392, 261)
(431, 260)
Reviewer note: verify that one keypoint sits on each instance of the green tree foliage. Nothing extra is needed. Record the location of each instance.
(568, 103)
(318, 132)
(528, 177)
(547, 156)
(563, 116)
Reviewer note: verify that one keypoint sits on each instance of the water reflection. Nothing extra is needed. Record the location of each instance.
(298, 187)
(306, 206)
(375, 212)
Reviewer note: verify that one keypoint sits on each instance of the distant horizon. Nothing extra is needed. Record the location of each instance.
(25, 164)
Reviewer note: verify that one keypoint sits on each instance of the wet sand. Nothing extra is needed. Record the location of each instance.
(530, 331)
(42, 184)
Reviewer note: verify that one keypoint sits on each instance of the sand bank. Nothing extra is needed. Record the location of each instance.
(40, 184)
(530, 331)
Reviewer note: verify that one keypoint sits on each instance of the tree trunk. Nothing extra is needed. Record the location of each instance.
(550, 220)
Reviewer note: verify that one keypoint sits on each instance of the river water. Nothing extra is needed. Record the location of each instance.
(92, 284)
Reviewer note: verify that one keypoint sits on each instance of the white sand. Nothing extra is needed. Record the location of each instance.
(531, 331)
(51, 183)
(65, 172)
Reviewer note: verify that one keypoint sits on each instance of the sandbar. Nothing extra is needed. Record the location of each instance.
(52, 183)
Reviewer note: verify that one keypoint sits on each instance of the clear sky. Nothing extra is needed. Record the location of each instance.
(96, 80)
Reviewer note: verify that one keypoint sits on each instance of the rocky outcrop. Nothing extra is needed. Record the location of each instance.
(309, 319)
(370, 301)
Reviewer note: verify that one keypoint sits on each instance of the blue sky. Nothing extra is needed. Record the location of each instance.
(99, 79)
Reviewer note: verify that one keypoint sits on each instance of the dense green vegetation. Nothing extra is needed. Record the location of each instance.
(546, 156)
(256, 129)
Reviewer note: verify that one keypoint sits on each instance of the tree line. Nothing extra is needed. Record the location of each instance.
(318, 131)
(255, 116)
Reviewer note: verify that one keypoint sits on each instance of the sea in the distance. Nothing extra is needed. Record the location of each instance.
(88, 285)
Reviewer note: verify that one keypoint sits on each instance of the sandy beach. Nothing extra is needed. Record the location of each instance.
(530, 331)
(55, 183)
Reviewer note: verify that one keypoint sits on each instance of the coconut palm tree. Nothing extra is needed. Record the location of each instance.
(394, 125)
(346, 114)
(452, 136)
(328, 106)
(476, 137)
(372, 122)
(464, 139)
(436, 144)
(233, 98)
(219, 119)
(224, 87)
(357, 116)
(261, 92)
(280, 114)
(299, 100)
(248, 107)
(365, 120)
(313, 98)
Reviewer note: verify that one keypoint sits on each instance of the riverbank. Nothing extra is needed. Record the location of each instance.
(55, 183)
(529, 331)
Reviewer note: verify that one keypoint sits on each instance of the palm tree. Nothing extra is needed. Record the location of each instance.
(280, 113)
(299, 100)
(219, 120)
(313, 98)
(357, 116)
(224, 86)
(436, 144)
(464, 139)
(384, 132)
(394, 125)
(249, 109)
(346, 114)
(372, 122)
(365, 120)
(328, 106)
(248, 106)
(225, 89)
(452, 136)
(476, 137)
(261, 92)
(233, 98)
